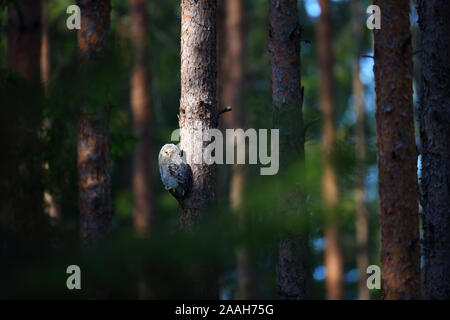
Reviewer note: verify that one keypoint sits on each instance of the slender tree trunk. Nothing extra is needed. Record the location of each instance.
(434, 115)
(140, 105)
(93, 179)
(362, 223)
(198, 101)
(287, 98)
(396, 152)
(231, 44)
(197, 115)
(333, 252)
(93, 133)
(45, 48)
(232, 63)
(52, 208)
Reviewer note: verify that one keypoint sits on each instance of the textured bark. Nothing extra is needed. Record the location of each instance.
(361, 223)
(396, 152)
(434, 115)
(95, 20)
(24, 37)
(198, 111)
(93, 133)
(140, 106)
(93, 179)
(287, 98)
(333, 252)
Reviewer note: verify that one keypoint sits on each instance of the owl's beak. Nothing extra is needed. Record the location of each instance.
(170, 154)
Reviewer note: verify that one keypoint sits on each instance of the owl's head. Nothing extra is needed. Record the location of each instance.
(168, 151)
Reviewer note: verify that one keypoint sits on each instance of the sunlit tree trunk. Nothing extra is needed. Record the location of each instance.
(434, 117)
(396, 152)
(140, 106)
(197, 115)
(198, 101)
(333, 251)
(361, 223)
(287, 98)
(93, 132)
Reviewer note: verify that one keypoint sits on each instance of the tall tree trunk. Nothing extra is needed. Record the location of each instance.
(333, 252)
(198, 114)
(287, 98)
(232, 64)
(362, 223)
(93, 133)
(396, 152)
(140, 105)
(231, 59)
(198, 101)
(434, 115)
(45, 48)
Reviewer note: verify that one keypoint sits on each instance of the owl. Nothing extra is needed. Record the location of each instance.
(176, 174)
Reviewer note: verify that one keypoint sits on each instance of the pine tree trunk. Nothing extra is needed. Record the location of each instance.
(361, 223)
(434, 117)
(396, 152)
(333, 252)
(140, 105)
(287, 97)
(231, 62)
(93, 179)
(93, 133)
(198, 102)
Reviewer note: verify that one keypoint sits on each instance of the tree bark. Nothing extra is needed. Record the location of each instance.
(287, 98)
(93, 133)
(93, 179)
(333, 251)
(361, 223)
(140, 106)
(198, 102)
(434, 117)
(396, 152)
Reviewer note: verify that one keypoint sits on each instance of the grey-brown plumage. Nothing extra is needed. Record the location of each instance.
(176, 175)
